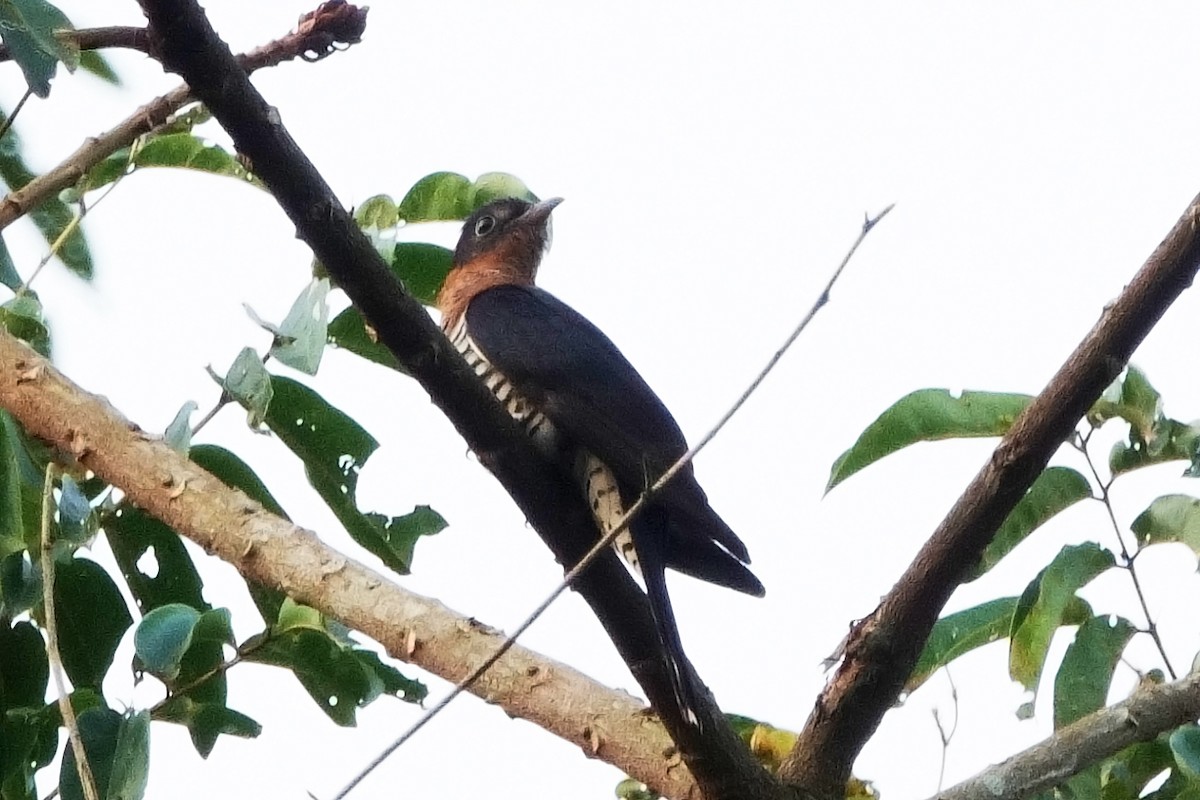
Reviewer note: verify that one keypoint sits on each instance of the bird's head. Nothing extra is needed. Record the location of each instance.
(508, 234)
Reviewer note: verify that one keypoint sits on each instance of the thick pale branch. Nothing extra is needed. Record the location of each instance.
(1151, 710)
(882, 649)
(186, 43)
(314, 37)
(607, 724)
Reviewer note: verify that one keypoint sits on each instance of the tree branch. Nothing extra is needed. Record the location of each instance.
(605, 723)
(881, 651)
(316, 35)
(183, 38)
(1150, 711)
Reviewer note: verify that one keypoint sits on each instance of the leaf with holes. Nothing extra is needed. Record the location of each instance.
(1170, 518)
(334, 449)
(157, 567)
(929, 415)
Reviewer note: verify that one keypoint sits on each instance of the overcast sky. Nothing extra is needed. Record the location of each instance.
(716, 160)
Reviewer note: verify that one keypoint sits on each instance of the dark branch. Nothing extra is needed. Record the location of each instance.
(882, 649)
(186, 43)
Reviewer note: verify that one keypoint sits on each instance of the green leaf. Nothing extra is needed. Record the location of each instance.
(92, 618)
(961, 632)
(1054, 491)
(349, 331)
(92, 61)
(334, 449)
(12, 521)
(8, 270)
(20, 584)
(1170, 518)
(51, 217)
(440, 196)
(24, 667)
(207, 721)
(450, 196)
(1185, 745)
(153, 559)
(100, 728)
(76, 518)
(249, 383)
(178, 435)
(22, 317)
(928, 415)
(494, 185)
(1125, 775)
(1043, 607)
(131, 760)
(1081, 685)
(329, 672)
(27, 28)
(422, 268)
(394, 682)
(379, 212)
(163, 636)
(175, 149)
(1173, 441)
(301, 338)
(1131, 398)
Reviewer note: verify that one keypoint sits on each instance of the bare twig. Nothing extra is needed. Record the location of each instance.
(11, 118)
(883, 648)
(82, 766)
(630, 514)
(1127, 561)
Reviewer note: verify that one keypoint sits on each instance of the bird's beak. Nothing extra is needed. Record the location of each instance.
(540, 212)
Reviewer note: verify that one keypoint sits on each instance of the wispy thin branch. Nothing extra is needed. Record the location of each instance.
(631, 513)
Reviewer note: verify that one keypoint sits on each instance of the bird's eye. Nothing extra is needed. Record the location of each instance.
(484, 226)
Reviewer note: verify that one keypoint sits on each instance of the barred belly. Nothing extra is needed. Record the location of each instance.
(596, 479)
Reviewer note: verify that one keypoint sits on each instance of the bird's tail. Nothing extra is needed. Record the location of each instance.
(684, 683)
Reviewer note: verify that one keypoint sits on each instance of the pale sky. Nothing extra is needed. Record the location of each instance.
(716, 161)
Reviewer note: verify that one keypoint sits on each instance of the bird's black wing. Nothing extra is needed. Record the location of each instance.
(592, 394)
(578, 377)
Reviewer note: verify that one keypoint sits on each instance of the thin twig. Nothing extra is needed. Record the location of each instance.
(1127, 558)
(86, 779)
(943, 734)
(606, 541)
(8, 122)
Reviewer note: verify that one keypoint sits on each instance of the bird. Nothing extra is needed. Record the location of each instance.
(574, 392)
